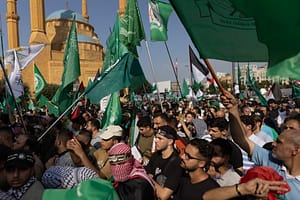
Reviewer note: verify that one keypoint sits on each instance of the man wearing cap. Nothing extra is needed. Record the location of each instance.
(164, 165)
(19, 173)
(110, 136)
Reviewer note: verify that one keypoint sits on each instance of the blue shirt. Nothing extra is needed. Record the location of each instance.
(263, 157)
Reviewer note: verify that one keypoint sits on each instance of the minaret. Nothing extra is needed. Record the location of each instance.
(122, 6)
(84, 10)
(12, 20)
(37, 21)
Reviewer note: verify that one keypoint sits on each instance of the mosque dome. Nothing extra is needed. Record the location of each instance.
(66, 14)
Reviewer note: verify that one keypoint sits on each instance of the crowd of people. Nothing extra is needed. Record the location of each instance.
(222, 148)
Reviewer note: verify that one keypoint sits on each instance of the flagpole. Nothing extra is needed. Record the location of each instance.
(213, 74)
(7, 80)
(176, 76)
(153, 74)
(102, 75)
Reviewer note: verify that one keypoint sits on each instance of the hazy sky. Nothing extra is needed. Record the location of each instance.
(102, 14)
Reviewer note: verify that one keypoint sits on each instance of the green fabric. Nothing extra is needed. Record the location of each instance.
(131, 27)
(159, 13)
(277, 25)
(113, 111)
(185, 88)
(31, 104)
(154, 87)
(239, 75)
(63, 97)
(39, 82)
(220, 31)
(295, 89)
(92, 189)
(114, 47)
(43, 101)
(126, 72)
(250, 81)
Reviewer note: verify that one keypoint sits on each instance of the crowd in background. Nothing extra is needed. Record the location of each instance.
(217, 148)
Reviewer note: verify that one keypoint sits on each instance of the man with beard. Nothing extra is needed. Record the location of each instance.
(285, 156)
(220, 168)
(196, 160)
(164, 165)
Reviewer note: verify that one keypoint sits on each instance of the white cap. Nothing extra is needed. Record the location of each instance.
(110, 131)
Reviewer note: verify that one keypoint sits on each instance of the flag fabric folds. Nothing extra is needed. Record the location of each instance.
(250, 82)
(159, 13)
(277, 26)
(39, 81)
(131, 27)
(239, 75)
(114, 47)
(220, 31)
(113, 111)
(63, 97)
(198, 70)
(274, 92)
(18, 60)
(126, 72)
(185, 88)
(243, 30)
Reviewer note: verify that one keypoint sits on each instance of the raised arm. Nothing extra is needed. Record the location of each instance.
(236, 127)
(255, 187)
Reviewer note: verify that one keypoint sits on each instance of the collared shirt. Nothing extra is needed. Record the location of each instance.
(263, 157)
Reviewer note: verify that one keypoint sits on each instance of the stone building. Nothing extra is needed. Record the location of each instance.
(53, 31)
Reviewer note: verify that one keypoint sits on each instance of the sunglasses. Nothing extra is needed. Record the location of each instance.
(189, 157)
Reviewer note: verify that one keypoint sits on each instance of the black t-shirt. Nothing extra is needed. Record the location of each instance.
(166, 172)
(189, 191)
(135, 189)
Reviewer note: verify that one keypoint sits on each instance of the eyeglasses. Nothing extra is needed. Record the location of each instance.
(189, 157)
(119, 158)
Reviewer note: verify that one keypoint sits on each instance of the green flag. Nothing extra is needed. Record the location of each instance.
(185, 88)
(63, 97)
(114, 47)
(39, 82)
(220, 31)
(131, 27)
(154, 88)
(43, 101)
(113, 111)
(126, 72)
(277, 26)
(159, 13)
(296, 89)
(239, 75)
(250, 82)
(31, 105)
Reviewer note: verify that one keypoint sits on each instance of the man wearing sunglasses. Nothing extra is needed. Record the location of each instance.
(164, 165)
(196, 160)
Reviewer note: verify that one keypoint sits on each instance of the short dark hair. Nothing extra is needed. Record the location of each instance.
(205, 149)
(224, 145)
(163, 116)
(95, 122)
(219, 122)
(248, 120)
(144, 121)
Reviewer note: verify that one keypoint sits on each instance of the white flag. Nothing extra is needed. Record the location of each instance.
(18, 60)
(15, 78)
(25, 55)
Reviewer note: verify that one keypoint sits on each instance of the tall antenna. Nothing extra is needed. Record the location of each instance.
(67, 4)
